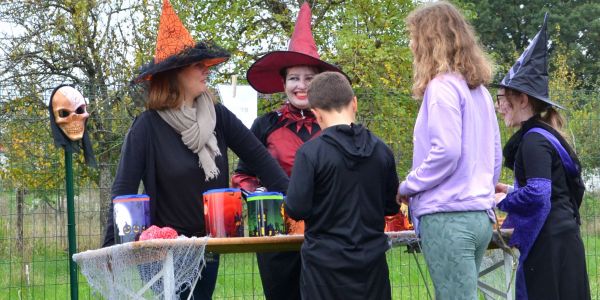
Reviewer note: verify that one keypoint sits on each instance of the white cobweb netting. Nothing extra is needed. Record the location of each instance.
(152, 269)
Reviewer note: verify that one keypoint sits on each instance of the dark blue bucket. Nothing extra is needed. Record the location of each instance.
(131, 214)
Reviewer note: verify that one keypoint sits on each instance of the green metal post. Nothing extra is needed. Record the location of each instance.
(71, 223)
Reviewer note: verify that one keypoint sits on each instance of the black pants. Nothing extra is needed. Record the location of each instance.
(280, 275)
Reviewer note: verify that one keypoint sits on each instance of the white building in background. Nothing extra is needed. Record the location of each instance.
(592, 180)
(241, 100)
(2, 157)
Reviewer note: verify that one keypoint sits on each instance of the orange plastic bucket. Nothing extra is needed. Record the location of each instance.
(223, 213)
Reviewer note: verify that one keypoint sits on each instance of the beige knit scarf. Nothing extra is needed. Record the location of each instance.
(197, 128)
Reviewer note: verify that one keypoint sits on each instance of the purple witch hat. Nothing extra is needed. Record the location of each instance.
(529, 74)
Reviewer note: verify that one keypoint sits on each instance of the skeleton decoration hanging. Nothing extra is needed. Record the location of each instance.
(70, 112)
(68, 117)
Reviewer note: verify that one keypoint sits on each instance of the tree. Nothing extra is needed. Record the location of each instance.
(581, 109)
(86, 43)
(506, 28)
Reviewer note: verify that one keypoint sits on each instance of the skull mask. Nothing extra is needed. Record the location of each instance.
(70, 114)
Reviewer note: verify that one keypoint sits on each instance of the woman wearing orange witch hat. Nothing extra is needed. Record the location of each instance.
(178, 146)
(283, 131)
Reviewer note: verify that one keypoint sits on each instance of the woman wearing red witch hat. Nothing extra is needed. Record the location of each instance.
(283, 131)
(178, 146)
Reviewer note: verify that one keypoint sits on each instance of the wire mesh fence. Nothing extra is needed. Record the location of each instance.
(33, 221)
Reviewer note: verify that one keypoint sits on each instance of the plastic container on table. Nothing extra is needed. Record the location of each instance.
(265, 214)
(131, 214)
(223, 212)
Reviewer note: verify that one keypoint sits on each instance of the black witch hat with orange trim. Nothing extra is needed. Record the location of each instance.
(265, 75)
(175, 47)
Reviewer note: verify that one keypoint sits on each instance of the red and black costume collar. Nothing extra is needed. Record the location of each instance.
(296, 119)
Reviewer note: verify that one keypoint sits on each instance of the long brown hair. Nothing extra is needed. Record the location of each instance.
(164, 91)
(442, 41)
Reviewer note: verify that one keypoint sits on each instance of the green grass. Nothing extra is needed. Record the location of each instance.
(239, 278)
(592, 250)
(48, 277)
(238, 275)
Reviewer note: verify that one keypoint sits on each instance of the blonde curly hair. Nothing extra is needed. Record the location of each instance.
(442, 41)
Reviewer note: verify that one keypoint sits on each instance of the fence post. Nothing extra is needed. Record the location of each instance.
(20, 217)
(71, 223)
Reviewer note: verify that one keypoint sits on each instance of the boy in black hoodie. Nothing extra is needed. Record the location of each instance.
(343, 183)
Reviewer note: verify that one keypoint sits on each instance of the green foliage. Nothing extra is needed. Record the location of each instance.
(506, 28)
(580, 107)
(19, 143)
(391, 116)
(86, 43)
(372, 45)
(585, 132)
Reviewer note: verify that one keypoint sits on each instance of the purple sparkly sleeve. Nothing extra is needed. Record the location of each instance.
(528, 200)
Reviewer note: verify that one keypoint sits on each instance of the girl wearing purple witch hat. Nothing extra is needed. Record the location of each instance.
(543, 207)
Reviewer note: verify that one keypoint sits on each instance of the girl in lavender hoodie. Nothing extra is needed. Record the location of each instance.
(457, 155)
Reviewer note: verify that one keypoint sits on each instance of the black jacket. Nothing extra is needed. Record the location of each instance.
(342, 184)
(154, 154)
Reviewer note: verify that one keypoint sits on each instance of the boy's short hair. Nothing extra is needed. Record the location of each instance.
(329, 91)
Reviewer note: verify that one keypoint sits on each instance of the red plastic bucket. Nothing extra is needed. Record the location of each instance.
(223, 213)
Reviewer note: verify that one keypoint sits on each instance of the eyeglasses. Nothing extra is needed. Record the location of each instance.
(502, 103)
(500, 97)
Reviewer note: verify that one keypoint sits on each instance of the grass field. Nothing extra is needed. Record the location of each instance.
(238, 276)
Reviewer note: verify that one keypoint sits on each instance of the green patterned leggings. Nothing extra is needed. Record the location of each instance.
(453, 245)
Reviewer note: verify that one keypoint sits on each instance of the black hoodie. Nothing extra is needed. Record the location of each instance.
(342, 184)
(354, 141)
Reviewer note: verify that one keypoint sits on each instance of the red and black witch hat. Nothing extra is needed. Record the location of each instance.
(176, 48)
(265, 74)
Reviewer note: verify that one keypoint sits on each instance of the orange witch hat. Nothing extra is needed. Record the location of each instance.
(265, 75)
(172, 36)
(175, 47)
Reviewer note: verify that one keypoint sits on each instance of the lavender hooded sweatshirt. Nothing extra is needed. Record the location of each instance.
(457, 155)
